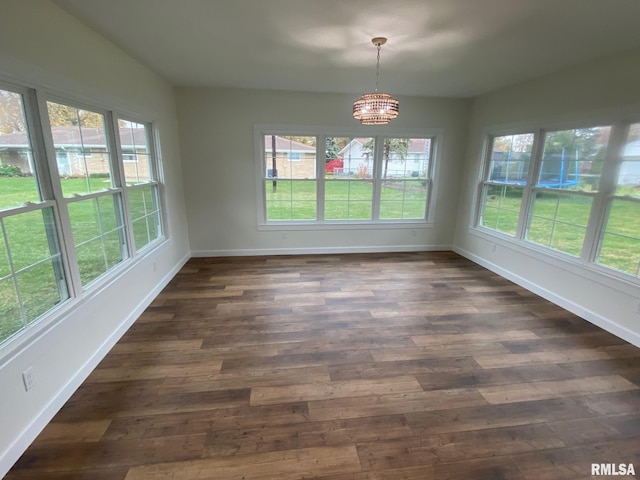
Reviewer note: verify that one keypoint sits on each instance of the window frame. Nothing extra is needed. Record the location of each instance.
(436, 135)
(601, 199)
(43, 157)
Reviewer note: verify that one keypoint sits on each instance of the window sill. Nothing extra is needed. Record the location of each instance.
(352, 225)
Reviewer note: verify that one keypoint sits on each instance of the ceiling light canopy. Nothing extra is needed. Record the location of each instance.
(376, 108)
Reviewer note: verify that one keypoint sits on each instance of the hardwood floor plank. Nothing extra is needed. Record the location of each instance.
(290, 464)
(389, 366)
(519, 392)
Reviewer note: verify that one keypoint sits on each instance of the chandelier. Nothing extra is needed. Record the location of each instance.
(376, 108)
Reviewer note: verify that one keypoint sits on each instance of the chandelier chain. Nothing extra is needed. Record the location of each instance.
(378, 68)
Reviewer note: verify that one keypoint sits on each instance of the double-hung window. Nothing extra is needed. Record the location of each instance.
(336, 179)
(79, 196)
(573, 192)
(140, 175)
(32, 274)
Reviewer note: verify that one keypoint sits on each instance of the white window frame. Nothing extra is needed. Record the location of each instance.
(587, 260)
(321, 133)
(44, 160)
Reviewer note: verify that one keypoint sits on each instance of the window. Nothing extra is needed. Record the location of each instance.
(362, 179)
(32, 278)
(349, 187)
(93, 202)
(620, 239)
(71, 209)
(141, 179)
(584, 201)
(290, 184)
(505, 179)
(568, 181)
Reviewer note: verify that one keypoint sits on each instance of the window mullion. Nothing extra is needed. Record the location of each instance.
(321, 148)
(528, 193)
(606, 190)
(119, 181)
(54, 187)
(378, 160)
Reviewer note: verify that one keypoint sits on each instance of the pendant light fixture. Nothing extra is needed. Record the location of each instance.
(376, 108)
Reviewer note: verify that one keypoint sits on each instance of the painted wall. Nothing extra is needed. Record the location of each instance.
(216, 135)
(41, 45)
(597, 92)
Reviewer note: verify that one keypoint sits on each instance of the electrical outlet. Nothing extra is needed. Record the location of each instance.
(283, 235)
(28, 379)
(155, 266)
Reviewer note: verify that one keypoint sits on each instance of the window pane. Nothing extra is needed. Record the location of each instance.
(98, 235)
(136, 155)
(559, 221)
(629, 173)
(501, 208)
(348, 199)
(405, 168)
(349, 178)
(620, 243)
(573, 159)
(144, 214)
(17, 174)
(510, 158)
(349, 157)
(290, 199)
(295, 157)
(33, 282)
(82, 152)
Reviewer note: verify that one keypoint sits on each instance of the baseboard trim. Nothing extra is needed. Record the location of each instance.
(592, 317)
(11, 455)
(319, 250)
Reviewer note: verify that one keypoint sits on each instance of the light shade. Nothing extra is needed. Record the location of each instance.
(375, 108)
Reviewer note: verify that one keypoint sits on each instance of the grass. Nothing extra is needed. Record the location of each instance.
(345, 200)
(97, 234)
(560, 222)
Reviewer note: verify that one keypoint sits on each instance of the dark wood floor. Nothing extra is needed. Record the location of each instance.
(348, 367)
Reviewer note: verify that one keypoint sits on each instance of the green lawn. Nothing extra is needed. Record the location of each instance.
(620, 247)
(345, 200)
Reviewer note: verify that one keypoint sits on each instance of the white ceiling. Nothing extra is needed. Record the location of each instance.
(454, 48)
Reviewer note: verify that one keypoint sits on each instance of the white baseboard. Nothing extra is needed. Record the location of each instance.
(319, 250)
(11, 455)
(592, 317)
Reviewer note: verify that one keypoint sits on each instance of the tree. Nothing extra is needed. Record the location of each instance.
(392, 146)
(63, 115)
(11, 113)
(331, 150)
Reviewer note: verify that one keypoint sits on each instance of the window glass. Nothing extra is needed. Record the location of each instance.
(145, 214)
(628, 183)
(136, 155)
(405, 170)
(510, 158)
(81, 148)
(17, 173)
(573, 159)
(620, 241)
(559, 221)
(290, 177)
(349, 178)
(33, 281)
(509, 163)
(98, 235)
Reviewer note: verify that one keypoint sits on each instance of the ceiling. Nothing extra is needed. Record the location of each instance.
(453, 48)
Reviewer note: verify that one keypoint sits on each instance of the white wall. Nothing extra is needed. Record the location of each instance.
(216, 135)
(43, 46)
(597, 92)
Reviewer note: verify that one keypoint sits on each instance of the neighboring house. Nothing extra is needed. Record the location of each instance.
(79, 151)
(630, 168)
(293, 159)
(415, 163)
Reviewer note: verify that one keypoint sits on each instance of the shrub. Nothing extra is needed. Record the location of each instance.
(331, 164)
(7, 170)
